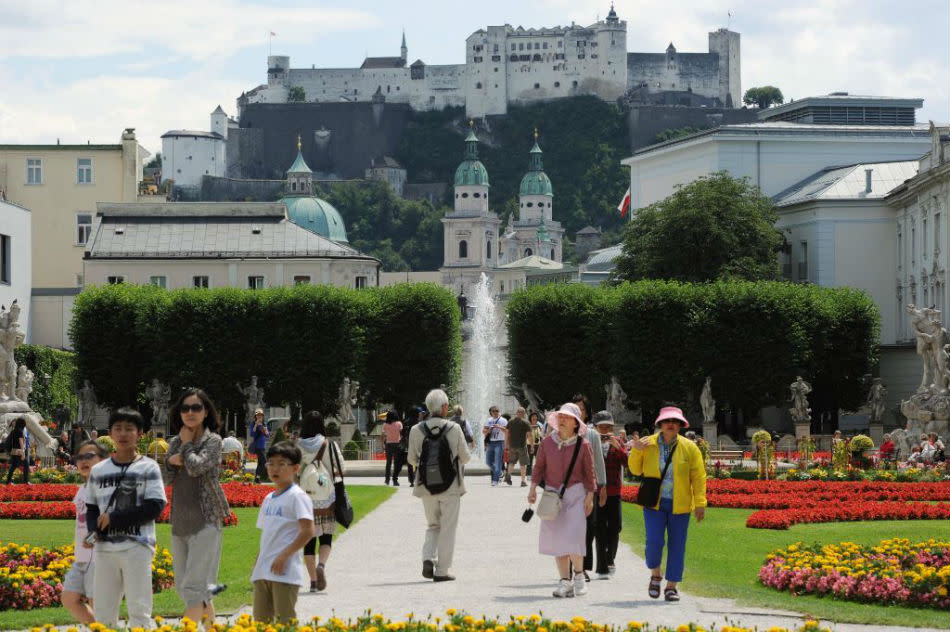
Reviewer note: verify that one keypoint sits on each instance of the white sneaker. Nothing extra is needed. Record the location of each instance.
(580, 584)
(565, 588)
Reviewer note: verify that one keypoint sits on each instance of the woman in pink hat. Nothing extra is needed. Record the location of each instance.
(563, 536)
(682, 491)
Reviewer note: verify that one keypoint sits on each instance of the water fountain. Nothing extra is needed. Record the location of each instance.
(484, 372)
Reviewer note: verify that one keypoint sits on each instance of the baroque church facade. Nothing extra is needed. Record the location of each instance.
(512, 65)
(474, 241)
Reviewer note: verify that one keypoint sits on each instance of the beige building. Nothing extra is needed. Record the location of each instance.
(217, 244)
(61, 185)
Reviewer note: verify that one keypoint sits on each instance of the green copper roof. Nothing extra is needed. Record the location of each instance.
(471, 171)
(536, 182)
(316, 215)
(300, 165)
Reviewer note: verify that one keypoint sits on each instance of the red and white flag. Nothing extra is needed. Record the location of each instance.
(624, 205)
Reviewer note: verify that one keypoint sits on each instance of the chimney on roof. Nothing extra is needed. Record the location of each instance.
(867, 180)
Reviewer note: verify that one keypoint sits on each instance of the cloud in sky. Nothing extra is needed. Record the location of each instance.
(84, 70)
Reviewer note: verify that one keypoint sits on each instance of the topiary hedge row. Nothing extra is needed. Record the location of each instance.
(661, 339)
(301, 342)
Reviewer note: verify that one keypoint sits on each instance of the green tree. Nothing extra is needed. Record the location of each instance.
(296, 94)
(716, 227)
(670, 134)
(156, 161)
(763, 96)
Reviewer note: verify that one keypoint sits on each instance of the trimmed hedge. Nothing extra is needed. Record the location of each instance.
(301, 342)
(61, 367)
(661, 339)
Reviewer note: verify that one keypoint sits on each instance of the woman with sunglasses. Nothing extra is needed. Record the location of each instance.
(199, 507)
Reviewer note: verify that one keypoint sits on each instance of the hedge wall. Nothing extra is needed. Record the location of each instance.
(62, 386)
(301, 342)
(661, 339)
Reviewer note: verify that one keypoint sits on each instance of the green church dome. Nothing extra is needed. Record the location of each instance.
(536, 182)
(471, 172)
(316, 215)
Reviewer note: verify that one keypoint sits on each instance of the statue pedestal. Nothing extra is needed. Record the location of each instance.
(876, 432)
(711, 434)
(802, 429)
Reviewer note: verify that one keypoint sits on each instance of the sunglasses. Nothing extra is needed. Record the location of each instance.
(192, 408)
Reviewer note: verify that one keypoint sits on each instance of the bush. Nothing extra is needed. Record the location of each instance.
(351, 451)
(661, 339)
(860, 443)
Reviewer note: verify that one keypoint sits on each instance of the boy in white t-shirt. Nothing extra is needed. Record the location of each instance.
(286, 524)
(78, 584)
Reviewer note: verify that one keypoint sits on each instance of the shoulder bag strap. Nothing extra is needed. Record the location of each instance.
(339, 466)
(669, 459)
(121, 478)
(570, 468)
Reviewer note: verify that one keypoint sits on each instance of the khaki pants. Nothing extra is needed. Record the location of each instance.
(195, 560)
(130, 572)
(442, 514)
(275, 600)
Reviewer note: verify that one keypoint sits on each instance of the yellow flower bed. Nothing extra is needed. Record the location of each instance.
(454, 621)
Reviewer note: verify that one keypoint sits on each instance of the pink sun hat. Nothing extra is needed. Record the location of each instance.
(570, 410)
(671, 412)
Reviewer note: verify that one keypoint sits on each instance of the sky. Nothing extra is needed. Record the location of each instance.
(84, 70)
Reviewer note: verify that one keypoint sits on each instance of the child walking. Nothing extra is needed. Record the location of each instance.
(124, 496)
(286, 524)
(78, 583)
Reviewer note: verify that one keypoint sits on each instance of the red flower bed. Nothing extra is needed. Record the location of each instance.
(784, 503)
(43, 491)
(42, 510)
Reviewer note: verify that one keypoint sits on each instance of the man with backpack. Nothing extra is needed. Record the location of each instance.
(437, 449)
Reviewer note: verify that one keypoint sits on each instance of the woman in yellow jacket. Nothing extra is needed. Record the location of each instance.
(682, 490)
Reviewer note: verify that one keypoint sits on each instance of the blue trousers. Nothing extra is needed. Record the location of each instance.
(494, 452)
(658, 524)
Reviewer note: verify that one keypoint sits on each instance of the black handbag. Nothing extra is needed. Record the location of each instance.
(342, 508)
(649, 493)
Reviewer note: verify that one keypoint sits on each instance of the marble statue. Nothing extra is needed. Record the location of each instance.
(253, 398)
(24, 383)
(347, 399)
(707, 402)
(800, 411)
(616, 399)
(158, 395)
(928, 409)
(876, 396)
(535, 403)
(11, 337)
(88, 405)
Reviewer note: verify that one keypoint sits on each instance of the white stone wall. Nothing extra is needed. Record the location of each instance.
(15, 227)
(185, 159)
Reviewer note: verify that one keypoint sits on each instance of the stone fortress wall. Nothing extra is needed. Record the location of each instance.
(507, 65)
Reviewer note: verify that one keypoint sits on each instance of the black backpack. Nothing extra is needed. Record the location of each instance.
(437, 468)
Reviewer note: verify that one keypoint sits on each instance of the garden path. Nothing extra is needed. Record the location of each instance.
(377, 564)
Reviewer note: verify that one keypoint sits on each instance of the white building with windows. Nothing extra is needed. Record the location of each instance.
(61, 184)
(217, 244)
(16, 279)
(189, 155)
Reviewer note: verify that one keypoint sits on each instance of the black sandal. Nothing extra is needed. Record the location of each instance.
(655, 587)
(671, 594)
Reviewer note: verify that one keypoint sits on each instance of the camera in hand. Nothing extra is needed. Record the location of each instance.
(91, 537)
(527, 515)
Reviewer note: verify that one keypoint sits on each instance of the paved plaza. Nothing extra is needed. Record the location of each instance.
(377, 564)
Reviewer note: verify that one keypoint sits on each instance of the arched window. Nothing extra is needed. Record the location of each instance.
(463, 249)
(488, 249)
(528, 252)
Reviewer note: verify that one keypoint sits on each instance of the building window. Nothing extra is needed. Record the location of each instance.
(301, 279)
(528, 252)
(478, 85)
(255, 282)
(5, 264)
(557, 84)
(520, 46)
(200, 281)
(34, 171)
(83, 228)
(936, 234)
(537, 85)
(84, 171)
(803, 261)
(488, 249)
(160, 281)
(115, 279)
(360, 282)
(923, 245)
(463, 249)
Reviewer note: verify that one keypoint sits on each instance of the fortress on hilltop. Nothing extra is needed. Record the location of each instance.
(513, 65)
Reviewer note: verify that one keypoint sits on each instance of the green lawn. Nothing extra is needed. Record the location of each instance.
(237, 558)
(723, 558)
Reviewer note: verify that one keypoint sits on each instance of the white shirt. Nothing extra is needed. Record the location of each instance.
(494, 424)
(81, 553)
(132, 484)
(278, 522)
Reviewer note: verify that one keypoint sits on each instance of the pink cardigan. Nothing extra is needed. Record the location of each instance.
(552, 461)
